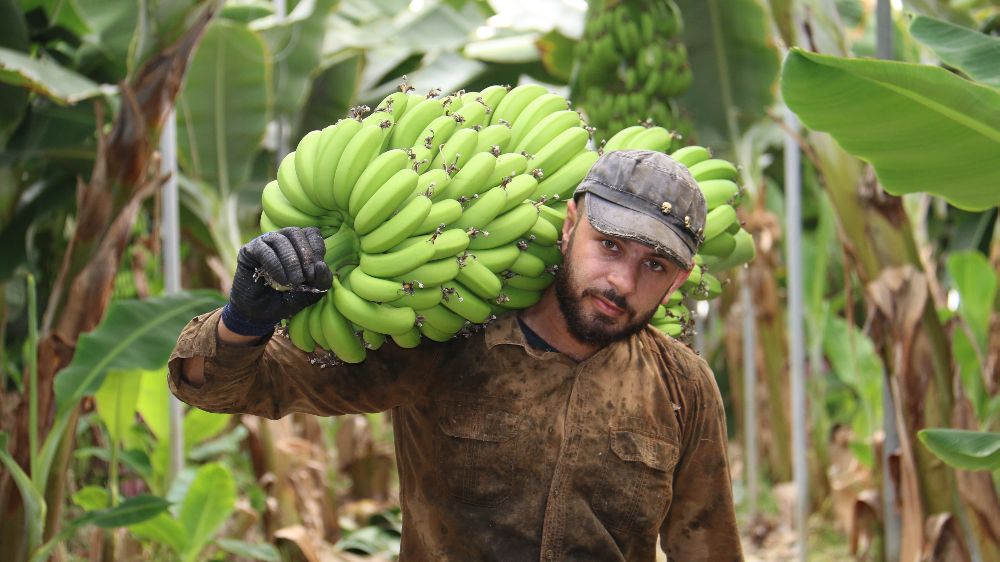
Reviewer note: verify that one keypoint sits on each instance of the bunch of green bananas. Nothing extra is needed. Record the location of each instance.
(629, 63)
(726, 243)
(438, 212)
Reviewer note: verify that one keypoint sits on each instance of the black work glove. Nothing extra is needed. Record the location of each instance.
(292, 258)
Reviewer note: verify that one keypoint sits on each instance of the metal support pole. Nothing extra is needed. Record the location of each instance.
(891, 517)
(749, 393)
(796, 312)
(280, 121)
(171, 236)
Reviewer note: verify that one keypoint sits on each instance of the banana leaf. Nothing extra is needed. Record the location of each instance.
(116, 401)
(14, 36)
(47, 78)
(222, 111)
(113, 26)
(133, 335)
(964, 449)
(922, 128)
(209, 501)
(735, 64)
(974, 53)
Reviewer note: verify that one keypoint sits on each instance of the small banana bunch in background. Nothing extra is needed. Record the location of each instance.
(440, 213)
(629, 63)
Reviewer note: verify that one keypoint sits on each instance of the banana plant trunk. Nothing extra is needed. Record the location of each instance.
(915, 349)
(124, 175)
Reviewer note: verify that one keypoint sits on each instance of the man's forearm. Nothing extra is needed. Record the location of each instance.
(193, 368)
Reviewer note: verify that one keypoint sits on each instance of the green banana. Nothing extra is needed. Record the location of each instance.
(417, 297)
(338, 332)
(471, 179)
(372, 340)
(383, 168)
(413, 121)
(441, 318)
(561, 150)
(713, 169)
(691, 155)
(385, 201)
(458, 150)
(506, 228)
(443, 212)
(492, 95)
(551, 255)
(555, 218)
(281, 211)
(429, 141)
(535, 111)
(483, 209)
(743, 251)
(397, 262)
(374, 289)
(620, 140)
(543, 232)
(653, 138)
(528, 265)
(384, 319)
(547, 129)
(430, 274)
(266, 224)
(498, 259)
(293, 190)
(719, 246)
(463, 302)
(298, 331)
(433, 334)
(513, 298)
(478, 278)
(391, 107)
(493, 138)
(538, 283)
(718, 192)
(399, 227)
(314, 323)
(332, 142)
(565, 180)
(408, 339)
(508, 164)
(514, 102)
(363, 147)
(305, 165)
(434, 181)
(449, 243)
(520, 188)
(474, 114)
(718, 220)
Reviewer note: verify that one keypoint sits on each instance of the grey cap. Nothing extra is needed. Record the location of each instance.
(648, 197)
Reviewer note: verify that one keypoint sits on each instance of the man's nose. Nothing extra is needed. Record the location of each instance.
(622, 279)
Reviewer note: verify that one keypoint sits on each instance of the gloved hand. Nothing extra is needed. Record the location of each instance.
(290, 257)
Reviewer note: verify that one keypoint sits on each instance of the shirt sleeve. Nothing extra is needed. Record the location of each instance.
(276, 378)
(701, 523)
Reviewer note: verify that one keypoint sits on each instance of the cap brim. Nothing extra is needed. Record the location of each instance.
(621, 222)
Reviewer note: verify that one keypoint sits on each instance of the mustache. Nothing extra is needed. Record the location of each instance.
(611, 296)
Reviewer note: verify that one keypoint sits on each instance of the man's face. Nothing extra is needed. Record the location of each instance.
(608, 288)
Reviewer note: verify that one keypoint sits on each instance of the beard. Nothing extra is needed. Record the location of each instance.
(594, 329)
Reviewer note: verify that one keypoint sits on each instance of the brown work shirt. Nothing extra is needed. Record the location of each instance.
(509, 453)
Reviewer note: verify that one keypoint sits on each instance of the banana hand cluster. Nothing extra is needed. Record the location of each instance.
(630, 63)
(440, 213)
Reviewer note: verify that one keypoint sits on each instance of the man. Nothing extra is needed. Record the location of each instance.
(568, 431)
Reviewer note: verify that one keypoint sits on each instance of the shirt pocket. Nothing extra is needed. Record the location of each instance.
(476, 446)
(637, 474)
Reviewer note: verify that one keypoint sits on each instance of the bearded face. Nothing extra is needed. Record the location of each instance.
(584, 299)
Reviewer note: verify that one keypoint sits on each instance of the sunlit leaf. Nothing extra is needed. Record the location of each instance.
(968, 450)
(922, 128)
(133, 335)
(222, 111)
(200, 425)
(974, 53)
(976, 282)
(209, 501)
(116, 399)
(153, 403)
(162, 529)
(91, 498)
(47, 78)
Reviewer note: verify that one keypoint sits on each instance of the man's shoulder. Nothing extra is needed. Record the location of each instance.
(677, 355)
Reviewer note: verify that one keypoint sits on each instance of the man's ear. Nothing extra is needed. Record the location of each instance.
(681, 278)
(569, 223)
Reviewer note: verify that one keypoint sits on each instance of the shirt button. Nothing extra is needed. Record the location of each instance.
(549, 554)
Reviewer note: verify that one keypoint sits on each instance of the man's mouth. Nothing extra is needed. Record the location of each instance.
(607, 307)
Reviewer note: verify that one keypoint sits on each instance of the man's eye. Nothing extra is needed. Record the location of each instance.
(608, 244)
(655, 265)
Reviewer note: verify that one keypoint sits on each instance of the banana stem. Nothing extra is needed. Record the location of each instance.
(33, 380)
